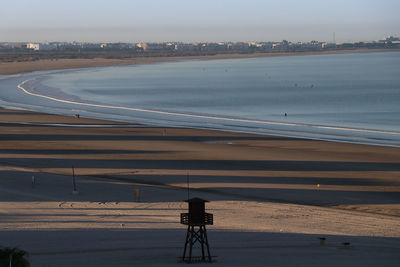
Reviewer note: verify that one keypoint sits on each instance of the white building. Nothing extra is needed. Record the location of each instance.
(35, 47)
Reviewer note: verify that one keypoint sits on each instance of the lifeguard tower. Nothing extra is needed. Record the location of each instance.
(196, 220)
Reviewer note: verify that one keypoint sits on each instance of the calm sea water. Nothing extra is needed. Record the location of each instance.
(318, 93)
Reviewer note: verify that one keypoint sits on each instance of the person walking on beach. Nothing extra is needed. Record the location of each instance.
(33, 181)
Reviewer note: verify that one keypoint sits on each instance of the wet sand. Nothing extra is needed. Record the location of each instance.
(272, 197)
(8, 68)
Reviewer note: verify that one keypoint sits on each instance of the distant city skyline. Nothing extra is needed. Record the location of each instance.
(198, 21)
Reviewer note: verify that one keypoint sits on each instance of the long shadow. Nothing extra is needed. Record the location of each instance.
(176, 178)
(157, 184)
(79, 151)
(151, 247)
(21, 113)
(318, 197)
(97, 137)
(64, 221)
(61, 125)
(16, 215)
(307, 196)
(243, 165)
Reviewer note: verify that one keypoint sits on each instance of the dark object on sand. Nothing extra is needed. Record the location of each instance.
(196, 220)
(321, 240)
(13, 257)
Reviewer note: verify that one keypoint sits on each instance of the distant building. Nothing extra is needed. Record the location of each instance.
(391, 39)
(142, 46)
(171, 46)
(328, 45)
(35, 47)
(254, 44)
(47, 46)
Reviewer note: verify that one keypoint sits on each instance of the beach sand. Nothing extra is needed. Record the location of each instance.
(272, 197)
(8, 68)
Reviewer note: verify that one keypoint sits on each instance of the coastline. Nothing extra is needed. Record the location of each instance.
(10, 68)
(148, 116)
(282, 129)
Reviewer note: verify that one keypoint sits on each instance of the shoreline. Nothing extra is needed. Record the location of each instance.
(319, 131)
(11, 68)
(227, 130)
(199, 127)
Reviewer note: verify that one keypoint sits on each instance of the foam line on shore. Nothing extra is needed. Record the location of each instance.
(20, 86)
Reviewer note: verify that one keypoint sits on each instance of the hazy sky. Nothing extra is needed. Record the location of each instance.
(197, 20)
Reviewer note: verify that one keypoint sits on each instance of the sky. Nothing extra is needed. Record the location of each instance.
(197, 21)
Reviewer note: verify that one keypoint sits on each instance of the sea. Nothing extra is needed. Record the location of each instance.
(341, 97)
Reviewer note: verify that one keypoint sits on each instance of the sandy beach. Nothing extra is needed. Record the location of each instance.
(272, 197)
(8, 68)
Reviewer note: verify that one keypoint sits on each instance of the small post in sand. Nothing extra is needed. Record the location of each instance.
(136, 193)
(74, 191)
